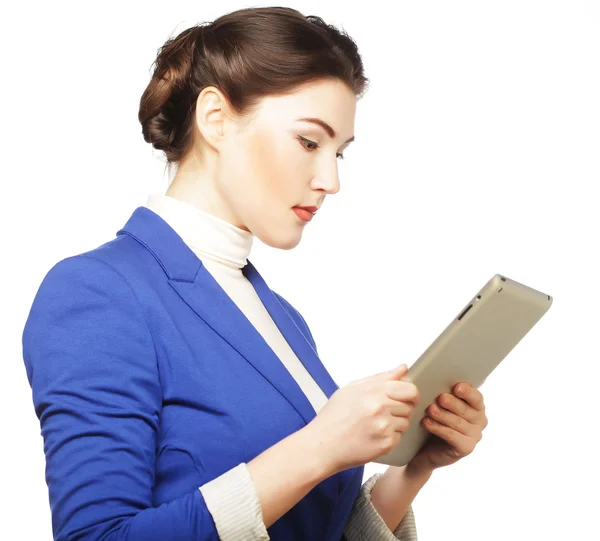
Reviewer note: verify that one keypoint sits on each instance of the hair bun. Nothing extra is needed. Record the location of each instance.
(159, 131)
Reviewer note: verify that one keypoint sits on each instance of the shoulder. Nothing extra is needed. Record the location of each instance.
(80, 293)
(85, 274)
(116, 265)
(85, 315)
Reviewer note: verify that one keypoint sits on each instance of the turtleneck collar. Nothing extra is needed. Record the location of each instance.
(206, 235)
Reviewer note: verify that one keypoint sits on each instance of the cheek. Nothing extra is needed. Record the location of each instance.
(272, 166)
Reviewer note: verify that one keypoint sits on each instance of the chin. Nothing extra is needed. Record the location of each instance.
(283, 242)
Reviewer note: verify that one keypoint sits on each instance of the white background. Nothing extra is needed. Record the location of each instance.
(476, 152)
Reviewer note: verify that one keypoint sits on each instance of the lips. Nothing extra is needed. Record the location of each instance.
(303, 214)
(309, 209)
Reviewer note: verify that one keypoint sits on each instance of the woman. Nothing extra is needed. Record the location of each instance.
(179, 397)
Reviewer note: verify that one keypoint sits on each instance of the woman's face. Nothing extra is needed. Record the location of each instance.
(261, 169)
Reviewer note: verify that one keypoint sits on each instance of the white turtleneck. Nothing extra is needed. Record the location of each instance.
(231, 498)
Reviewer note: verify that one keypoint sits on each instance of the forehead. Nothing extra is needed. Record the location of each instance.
(331, 101)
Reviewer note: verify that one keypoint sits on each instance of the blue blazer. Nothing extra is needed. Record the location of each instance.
(148, 382)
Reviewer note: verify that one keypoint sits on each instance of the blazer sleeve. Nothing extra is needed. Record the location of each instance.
(365, 523)
(92, 367)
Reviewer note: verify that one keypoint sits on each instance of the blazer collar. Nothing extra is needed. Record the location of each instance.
(196, 286)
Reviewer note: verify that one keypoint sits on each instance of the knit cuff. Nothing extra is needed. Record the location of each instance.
(234, 505)
(366, 524)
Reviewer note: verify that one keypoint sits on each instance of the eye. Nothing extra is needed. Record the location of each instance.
(304, 140)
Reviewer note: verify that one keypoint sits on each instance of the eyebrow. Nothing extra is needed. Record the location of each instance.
(330, 131)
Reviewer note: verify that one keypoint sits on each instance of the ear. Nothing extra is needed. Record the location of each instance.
(212, 110)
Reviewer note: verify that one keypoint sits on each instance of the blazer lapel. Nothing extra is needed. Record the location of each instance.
(290, 330)
(202, 293)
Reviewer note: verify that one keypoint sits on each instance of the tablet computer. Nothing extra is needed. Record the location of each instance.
(481, 335)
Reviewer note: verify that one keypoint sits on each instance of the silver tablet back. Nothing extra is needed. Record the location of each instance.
(468, 350)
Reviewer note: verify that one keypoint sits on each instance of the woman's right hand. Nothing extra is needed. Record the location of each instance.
(365, 419)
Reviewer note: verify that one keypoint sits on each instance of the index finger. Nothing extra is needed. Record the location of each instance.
(470, 394)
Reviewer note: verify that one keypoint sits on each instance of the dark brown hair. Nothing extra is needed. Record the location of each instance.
(247, 54)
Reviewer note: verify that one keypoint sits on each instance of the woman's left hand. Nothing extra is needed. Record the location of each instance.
(458, 420)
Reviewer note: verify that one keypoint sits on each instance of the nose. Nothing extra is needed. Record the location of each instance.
(335, 185)
(328, 182)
